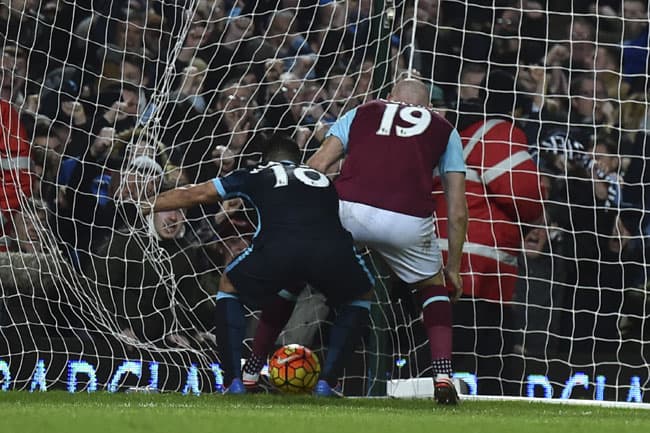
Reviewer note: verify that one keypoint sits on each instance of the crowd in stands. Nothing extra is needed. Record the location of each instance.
(118, 100)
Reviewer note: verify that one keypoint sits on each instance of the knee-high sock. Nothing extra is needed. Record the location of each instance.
(350, 324)
(275, 316)
(436, 314)
(230, 331)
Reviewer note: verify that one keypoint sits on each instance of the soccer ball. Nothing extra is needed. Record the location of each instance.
(294, 369)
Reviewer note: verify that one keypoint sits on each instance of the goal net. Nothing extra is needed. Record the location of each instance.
(105, 104)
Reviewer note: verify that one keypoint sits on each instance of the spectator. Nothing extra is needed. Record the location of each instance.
(625, 268)
(582, 38)
(158, 38)
(358, 29)
(13, 75)
(434, 44)
(541, 290)
(120, 106)
(84, 210)
(471, 78)
(534, 30)
(288, 44)
(325, 38)
(636, 185)
(192, 87)
(544, 109)
(60, 102)
(135, 142)
(126, 29)
(578, 56)
(608, 21)
(364, 86)
(238, 115)
(46, 159)
(590, 105)
(37, 301)
(231, 126)
(141, 179)
(198, 41)
(605, 169)
(126, 68)
(271, 80)
(506, 41)
(635, 42)
(622, 270)
(29, 228)
(18, 21)
(340, 91)
(503, 191)
(37, 171)
(189, 122)
(224, 159)
(226, 43)
(587, 196)
(608, 71)
(44, 137)
(285, 107)
(16, 178)
(145, 307)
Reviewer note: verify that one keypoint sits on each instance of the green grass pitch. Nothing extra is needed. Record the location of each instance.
(58, 411)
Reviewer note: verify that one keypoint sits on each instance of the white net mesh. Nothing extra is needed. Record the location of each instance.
(119, 99)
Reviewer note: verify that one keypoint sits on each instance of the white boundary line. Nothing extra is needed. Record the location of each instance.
(419, 388)
(568, 402)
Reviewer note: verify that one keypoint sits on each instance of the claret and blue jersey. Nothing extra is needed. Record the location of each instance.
(391, 152)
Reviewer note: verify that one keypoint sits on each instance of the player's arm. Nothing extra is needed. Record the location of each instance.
(185, 197)
(335, 144)
(330, 152)
(454, 185)
(452, 171)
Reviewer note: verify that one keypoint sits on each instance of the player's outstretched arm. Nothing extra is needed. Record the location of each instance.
(185, 197)
(454, 184)
(330, 152)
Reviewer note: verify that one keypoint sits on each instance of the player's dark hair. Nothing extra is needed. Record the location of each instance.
(280, 147)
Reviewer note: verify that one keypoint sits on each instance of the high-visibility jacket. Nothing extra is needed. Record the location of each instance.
(14, 164)
(503, 190)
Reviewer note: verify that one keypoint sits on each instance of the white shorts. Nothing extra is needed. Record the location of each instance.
(407, 243)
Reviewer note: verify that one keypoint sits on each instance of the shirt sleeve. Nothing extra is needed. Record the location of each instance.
(341, 128)
(233, 185)
(452, 159)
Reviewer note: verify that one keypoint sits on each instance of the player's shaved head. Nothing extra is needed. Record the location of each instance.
(280, 148)
(410, 91)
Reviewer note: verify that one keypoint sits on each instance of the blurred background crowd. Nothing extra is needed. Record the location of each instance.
(109, 102)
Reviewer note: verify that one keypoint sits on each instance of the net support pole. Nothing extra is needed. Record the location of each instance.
(380, 352)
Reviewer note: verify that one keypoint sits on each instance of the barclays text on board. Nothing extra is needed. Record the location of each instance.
(83, 374)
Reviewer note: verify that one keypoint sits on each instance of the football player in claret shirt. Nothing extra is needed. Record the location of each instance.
(392, 149)
(299, 239)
